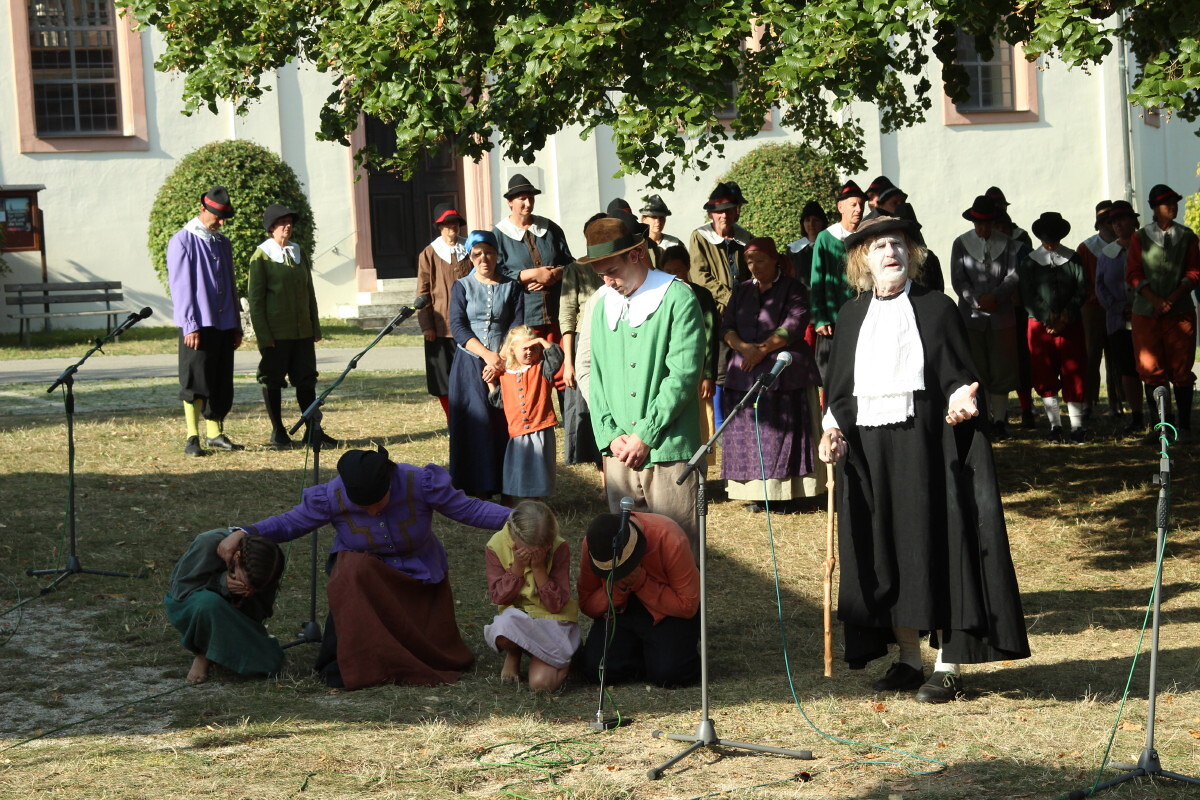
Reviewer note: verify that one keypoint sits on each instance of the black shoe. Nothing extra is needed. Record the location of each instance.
(754, 508)
(280, 440)
(1079, 435)
(1056, 435)
(999, 431)
(327, 441)
(942, 687)
(1028, 420)
(900, 677)
(221, 442)
(192, 448)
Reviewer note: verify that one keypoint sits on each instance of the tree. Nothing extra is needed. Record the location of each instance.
(255, 177)
(655, 72)
(778, 180)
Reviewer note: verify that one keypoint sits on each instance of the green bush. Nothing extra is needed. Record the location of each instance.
(1191, 209)
(255, 178)
(777, 180)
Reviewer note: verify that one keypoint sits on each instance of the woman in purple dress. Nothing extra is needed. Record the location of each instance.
(767, 315)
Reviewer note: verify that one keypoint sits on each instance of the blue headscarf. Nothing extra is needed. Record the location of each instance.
(481, 237)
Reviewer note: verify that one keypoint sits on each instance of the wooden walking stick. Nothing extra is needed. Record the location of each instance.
(830, 563)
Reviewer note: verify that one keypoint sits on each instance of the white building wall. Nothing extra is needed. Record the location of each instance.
(97, 205)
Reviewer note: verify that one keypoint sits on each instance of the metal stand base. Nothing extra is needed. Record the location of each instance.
(1148, 766)
(706, 736)
(73, 567)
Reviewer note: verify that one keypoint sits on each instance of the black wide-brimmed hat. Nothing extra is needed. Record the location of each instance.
(609, 236)
(366, 474)
(877, 226)
(1118, 209)
(982, 210)
(276, 212)
(443, 214)
(216, 200)
(813, 209)
(1161, 193)
(877, 186)
(1102, 212)
(850, 189)
(654, 207)
(1050, 227)
(997, 196)
(619, 209)
(725, 196)
(519, 184)
(889, 193)
(630, 547)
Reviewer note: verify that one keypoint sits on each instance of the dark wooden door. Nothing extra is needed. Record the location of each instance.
(402, 211)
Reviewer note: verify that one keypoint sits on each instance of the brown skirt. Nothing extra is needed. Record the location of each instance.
(391, 628)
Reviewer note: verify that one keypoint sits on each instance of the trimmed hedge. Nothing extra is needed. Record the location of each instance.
(777, 180)
(255, 178)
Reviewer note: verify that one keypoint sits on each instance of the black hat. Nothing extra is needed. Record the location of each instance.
(654, 207)
(625, 215)
(443, 214)
(889, 193)
(868, 229)
(997, 197)
(850, 189)
(1102, 212)
(1050, 227)
(1119, 208)
(630, 547)
(724, 197)
(1161, 193)
(609, 236)
(216, 200)
(519, 184)
(618, 204)
(877, 186)
(982, 210)
(366, 474)
(276, 212)
(813, 209)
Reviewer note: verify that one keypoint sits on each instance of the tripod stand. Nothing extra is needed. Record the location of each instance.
(310, 631)
(706, 734)
(67, 379)
(1148, 764)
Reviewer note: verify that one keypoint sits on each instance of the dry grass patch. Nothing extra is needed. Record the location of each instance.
(1080, 519)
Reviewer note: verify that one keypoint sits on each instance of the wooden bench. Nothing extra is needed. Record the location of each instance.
(27, 297)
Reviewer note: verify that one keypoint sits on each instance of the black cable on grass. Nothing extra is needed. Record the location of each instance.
(101, 714)
(7, 633)
(547, 758)
(942, 766)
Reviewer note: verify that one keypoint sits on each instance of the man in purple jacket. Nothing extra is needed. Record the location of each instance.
(203, 290)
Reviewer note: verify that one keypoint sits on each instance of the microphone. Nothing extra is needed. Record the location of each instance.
(1160, 403)
(765, 379)
(622, 534)
(406, 312)
(131, 320)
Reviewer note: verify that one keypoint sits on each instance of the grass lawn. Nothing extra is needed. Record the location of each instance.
(158, 339)
(98, 656)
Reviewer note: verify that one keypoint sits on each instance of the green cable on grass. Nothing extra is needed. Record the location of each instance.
(547, 758)
(943, 766)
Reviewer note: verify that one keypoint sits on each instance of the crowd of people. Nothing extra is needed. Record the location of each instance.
(645, 345)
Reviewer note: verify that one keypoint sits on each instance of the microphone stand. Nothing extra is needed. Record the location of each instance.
(706, 735)
(67, 379)
(310, 631)
(1148, 764)
(602, 722)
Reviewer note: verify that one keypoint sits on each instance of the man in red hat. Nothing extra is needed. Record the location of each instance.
(204, 293)
(1162, 267)
(828, 285)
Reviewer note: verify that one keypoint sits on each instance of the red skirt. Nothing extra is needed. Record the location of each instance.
(391, 628)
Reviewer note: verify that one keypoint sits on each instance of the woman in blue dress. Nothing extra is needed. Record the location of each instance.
(484, 305)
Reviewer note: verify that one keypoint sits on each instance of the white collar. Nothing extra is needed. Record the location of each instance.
(837, 231)
(196, 228)
(537, 226)
(889, 361)
(799, 245)
(275, 252)
(445, 251)
(713, 237)
(1113, 249)
(638, 307)
(1051, 258)
(1096, 244)
(984, 250)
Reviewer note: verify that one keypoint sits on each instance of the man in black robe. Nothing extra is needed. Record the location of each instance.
(923, 543)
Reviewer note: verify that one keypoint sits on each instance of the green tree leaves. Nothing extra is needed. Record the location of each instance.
(658, 73)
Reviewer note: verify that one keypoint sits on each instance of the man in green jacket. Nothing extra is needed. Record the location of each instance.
(827, 284)
(648, 347)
